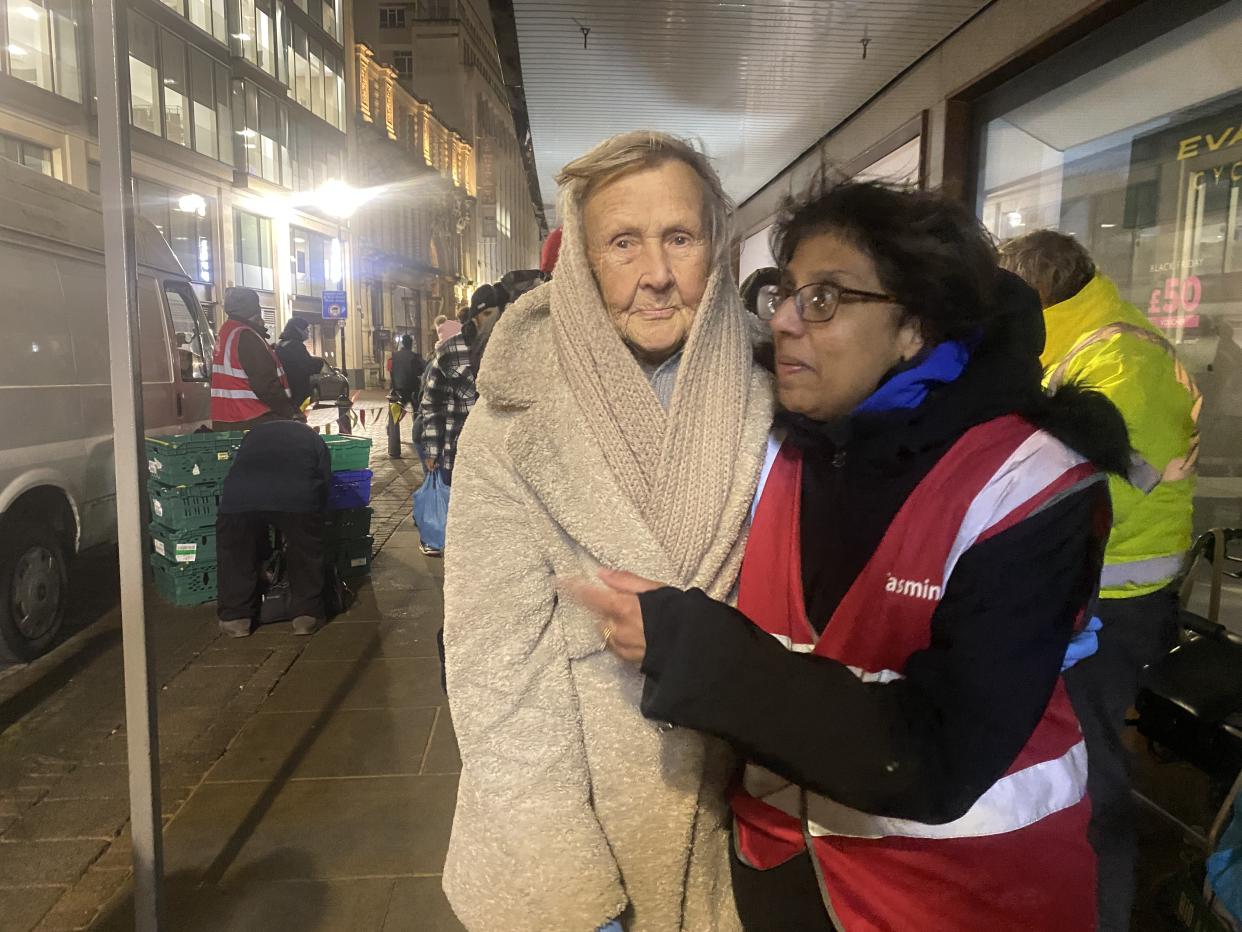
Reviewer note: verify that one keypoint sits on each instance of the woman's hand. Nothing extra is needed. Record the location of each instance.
(621, 624)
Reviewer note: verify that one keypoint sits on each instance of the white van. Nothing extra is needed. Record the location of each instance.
(57, 487)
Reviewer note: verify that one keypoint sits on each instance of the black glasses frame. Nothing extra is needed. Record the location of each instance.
(771, 297)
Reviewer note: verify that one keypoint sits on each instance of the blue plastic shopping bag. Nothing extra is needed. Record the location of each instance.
(431, 509)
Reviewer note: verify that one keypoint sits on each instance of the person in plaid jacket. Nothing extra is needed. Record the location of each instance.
(448, 395)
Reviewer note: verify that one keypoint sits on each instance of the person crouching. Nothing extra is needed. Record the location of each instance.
(280, 479)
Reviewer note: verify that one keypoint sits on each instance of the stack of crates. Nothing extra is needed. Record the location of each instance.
(187, 476)
(347, 536)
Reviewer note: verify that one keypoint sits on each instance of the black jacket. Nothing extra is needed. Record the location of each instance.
(299, 366)
(407, 372)
(924, 747)
(281, 466)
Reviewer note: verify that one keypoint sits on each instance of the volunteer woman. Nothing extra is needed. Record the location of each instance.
(928, 532)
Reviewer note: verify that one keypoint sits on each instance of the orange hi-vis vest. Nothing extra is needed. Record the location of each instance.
(232, 398)
(1019, 858)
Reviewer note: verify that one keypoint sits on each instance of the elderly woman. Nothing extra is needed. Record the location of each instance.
(621, 423)
(927, 537)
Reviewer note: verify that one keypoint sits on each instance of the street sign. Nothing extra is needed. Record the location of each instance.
(334, 307)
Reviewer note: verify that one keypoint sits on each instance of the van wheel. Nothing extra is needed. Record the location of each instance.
(33, 587)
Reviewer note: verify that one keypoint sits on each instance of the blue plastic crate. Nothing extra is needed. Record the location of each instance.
(350, 489)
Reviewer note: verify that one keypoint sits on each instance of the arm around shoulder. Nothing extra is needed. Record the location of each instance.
(527, 852)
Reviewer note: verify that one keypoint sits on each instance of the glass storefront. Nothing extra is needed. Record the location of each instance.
(1140, 158)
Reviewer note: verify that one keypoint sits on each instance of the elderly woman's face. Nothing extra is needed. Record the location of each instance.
(825, 370)
(650, 253)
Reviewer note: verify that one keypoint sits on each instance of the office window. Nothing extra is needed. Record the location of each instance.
(315, 261)
(332, 20)
(332, 111)
(224, 116)
(403, 61)
(253, 237)
(206, 130)
(243, 40)
(27, 153)
(301, 68)
(264, 134)
(316, 78)
(42, 45)
(392, 17)
(176, 89)
(144, 90)
(184, 220)
(265, 35)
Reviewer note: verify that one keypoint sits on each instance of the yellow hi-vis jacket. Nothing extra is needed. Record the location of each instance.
(1098, 341)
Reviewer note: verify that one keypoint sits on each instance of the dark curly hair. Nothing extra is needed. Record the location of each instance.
(930, 251)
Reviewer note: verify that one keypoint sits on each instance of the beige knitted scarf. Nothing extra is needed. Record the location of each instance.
(676, 466)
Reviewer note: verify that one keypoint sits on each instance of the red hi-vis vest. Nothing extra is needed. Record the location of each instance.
(232, 398)
(1019, 858)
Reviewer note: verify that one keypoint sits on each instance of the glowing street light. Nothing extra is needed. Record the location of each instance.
(339, 199)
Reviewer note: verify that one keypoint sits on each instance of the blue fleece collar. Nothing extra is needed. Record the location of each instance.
(908, 388)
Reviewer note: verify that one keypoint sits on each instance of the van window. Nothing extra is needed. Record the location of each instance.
(195, 342)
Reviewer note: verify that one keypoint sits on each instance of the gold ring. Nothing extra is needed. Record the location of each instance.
(608, 632)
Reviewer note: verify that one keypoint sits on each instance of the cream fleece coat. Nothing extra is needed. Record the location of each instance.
(572, 808)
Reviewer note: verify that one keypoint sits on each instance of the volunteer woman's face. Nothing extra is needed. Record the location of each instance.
(825, 370)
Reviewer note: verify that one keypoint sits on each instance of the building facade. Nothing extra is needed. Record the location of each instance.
(444, 51)
(238, 112)
(413, 242)
(1117, 122)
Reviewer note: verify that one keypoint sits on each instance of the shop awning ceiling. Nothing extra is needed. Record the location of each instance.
(758, 81)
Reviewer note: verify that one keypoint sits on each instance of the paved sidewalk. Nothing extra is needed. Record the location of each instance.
(308, 783)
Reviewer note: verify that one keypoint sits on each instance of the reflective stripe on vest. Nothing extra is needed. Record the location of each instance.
(233, 399)
(1141, 572)
(1038, 472)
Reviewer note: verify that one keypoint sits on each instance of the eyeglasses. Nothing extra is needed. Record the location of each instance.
(816, 303)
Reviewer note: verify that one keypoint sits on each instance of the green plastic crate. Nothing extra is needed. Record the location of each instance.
(352, 557)
(182, 507)
(190, 459)
(348, 453)
(346, 524)
(184, 583)
(187, 545)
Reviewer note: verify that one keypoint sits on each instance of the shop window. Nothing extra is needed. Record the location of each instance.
(1151, 184)
(253, 239)
(29, 154)
(41, 45)
(403, 61)
(392, 17)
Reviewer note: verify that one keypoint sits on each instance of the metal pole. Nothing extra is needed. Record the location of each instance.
(111, 40)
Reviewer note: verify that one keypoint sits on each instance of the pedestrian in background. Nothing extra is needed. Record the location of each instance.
(248, 384)
(1097, 340)
(280, 479)
(299, 365)
(621, 422)
(407, 371)
(448, 393)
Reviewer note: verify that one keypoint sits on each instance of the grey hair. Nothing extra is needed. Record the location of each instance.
(641, 149)
(1054, 264)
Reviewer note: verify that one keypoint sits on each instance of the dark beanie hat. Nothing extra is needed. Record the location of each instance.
(486, 296)
(243, 303)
